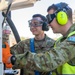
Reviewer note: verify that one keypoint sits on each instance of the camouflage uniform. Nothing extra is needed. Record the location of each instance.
(48, 61)
(40, 46)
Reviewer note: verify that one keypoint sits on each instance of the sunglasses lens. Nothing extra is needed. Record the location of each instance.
(50, 18)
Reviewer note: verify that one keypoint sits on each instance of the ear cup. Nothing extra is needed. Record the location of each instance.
(62, 18)
(45, 26)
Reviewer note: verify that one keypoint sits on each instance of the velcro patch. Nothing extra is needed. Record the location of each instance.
(71, 39)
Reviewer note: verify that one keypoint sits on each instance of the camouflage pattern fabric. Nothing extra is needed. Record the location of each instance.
(50, 60)
(24, 46)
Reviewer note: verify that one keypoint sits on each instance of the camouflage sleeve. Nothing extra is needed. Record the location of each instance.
(20, 47)
(17, 48)
(49, 60)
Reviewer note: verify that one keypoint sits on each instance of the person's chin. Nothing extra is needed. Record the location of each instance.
(34, 33)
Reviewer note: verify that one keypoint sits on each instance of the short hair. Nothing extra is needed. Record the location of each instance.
(61, 5)
(41, 16)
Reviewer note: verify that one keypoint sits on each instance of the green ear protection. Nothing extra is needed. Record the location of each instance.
(61, 14)
(62, 18)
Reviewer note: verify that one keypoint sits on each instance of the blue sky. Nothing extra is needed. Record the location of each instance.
(20, 17)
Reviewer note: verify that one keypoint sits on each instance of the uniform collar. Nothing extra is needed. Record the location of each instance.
(42, 42)
(72, 28)
(42, 39)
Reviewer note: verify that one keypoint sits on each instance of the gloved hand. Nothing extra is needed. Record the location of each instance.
(3, 5)
(6, 55)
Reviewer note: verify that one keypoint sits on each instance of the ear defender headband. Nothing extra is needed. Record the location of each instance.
(60, 14)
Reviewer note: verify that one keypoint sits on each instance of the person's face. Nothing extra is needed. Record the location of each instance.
(54, 25)
(36, 26)
(5, 35)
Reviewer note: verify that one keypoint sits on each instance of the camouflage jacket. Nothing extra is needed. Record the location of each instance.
(40, 46)
(50, 60)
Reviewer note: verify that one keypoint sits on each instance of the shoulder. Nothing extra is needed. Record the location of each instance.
(26, 41)
(50, 41)
(71, 39)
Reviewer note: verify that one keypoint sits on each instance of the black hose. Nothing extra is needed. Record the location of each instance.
(14, 30)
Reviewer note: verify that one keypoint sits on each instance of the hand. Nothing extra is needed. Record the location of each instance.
(6, 54)
(3, 5)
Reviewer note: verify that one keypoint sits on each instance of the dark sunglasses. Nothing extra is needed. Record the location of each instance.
(50, 17)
